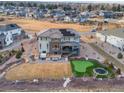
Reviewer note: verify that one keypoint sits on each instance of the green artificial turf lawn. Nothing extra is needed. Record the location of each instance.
(81, 66)
(85, 68)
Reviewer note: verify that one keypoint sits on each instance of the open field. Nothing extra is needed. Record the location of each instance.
(31, 25)
(39, 70)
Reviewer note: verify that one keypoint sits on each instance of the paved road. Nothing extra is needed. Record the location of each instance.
(106, 55)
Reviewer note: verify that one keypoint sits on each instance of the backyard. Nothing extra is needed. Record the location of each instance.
(29, 71)
(85, 68)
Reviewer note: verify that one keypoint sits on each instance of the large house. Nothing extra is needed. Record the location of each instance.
(58, 43)
(115, 37)
(8, 34)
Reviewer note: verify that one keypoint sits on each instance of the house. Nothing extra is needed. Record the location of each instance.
(9, 33)
(115, 37)
(67, 19)
(118, 14)
(106, 14)
(58, 43)
(2, 41)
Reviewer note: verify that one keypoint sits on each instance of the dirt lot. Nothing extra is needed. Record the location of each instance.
(31, 25)
(39, 70)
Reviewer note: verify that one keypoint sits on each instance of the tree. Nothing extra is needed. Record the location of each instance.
(34, 5)
(89, 7)
(29, 4)
(111, 66)
(21, 4)
(22, 49)
(102, 7)
(119, 8)
(41, 6)
(114, 8)
(21, 44)
(19, 54)
(106, 61)
(118, 71)
(120, 56)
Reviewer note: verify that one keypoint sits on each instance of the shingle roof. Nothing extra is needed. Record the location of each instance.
(58, 33)
(8, 27)
(2, 36)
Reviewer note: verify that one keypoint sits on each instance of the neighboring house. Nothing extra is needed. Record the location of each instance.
(63, 42)
(107, 14)
(67, 19)
(2, 41)
(118, 14)
(9, 33)
(115, 37)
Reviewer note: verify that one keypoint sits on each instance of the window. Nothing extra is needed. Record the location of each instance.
(43, 51)
(69, 38)
(46, 38)
(75, 38)
(40, 46)
(41, 38)
(56, 46)
(47, 46)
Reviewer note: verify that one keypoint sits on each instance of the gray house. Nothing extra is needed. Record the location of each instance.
(63, 42)
(2, 41)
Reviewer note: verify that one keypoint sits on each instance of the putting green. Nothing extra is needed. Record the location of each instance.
(81, 65)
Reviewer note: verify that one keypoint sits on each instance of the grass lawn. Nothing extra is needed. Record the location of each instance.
(28, 71)
(78, 65)
(84, 67)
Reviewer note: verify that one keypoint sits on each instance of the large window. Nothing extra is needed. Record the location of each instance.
(47, 46)
(40, 46)
(43, 51)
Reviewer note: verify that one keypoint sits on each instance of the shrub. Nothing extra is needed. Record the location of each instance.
(1, 61)
(22, 49)
(120, 56)
(13, 51)
(106, 61)
(111, 66)
(118, 71)
(19, 54)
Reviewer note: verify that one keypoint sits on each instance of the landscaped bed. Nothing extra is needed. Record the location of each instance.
(84, 68)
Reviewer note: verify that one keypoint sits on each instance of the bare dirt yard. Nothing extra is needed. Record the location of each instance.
(28, 71)
(32, 25)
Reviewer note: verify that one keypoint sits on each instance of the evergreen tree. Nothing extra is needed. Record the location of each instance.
(114, 8)
(41, 6)
(89, 7)
(102, 7)
(119, 8)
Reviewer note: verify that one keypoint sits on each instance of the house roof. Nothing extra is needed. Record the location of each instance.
(2, 36)
(59, 32)
(116, 32)
(8, 27)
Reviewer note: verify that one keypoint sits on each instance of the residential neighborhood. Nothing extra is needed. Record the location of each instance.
(62, 46)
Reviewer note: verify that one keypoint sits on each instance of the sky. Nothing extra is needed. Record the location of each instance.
(89, 1)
